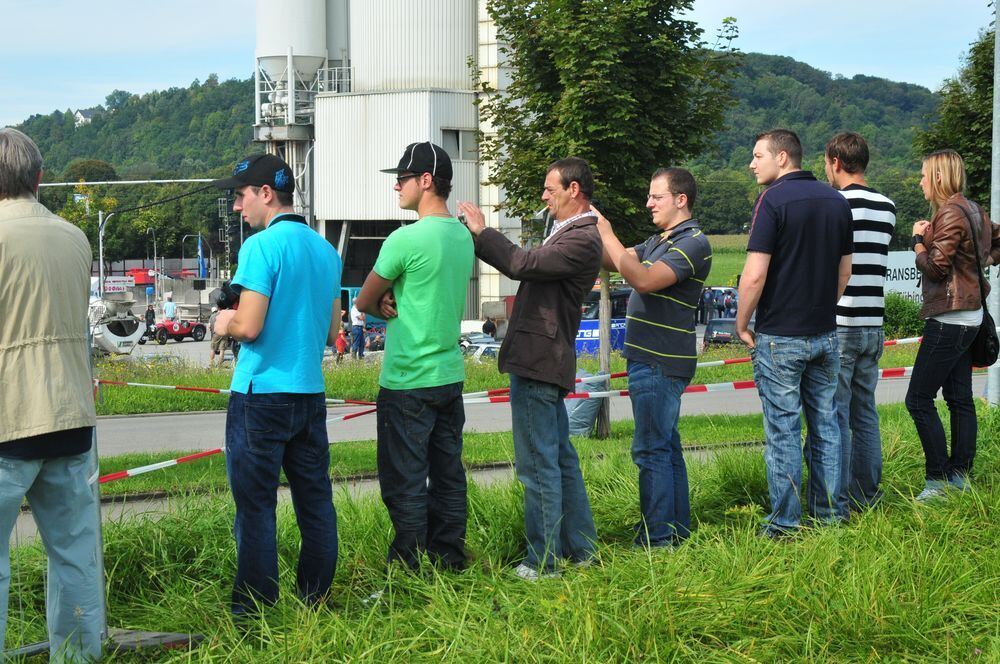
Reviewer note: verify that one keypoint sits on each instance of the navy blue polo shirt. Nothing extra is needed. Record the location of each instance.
(806, 227)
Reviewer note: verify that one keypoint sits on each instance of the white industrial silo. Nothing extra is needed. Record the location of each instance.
(291, 48)
(417, 44)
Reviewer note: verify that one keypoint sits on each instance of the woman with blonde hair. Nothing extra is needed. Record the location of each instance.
(952, 307)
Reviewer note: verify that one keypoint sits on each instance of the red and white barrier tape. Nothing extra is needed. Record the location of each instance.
(208, 390)
(132, 472)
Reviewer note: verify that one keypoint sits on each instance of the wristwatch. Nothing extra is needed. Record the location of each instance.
(917, 239)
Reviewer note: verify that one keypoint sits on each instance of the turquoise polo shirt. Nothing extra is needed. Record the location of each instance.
(299, 272)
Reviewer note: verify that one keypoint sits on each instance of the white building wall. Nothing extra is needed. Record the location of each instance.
(492, 284)
(398, 45)
(357, 135)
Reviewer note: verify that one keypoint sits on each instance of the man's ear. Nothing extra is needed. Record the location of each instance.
(39, 183)
(574, 189)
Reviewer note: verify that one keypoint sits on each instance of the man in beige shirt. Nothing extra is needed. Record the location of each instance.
(46, 404)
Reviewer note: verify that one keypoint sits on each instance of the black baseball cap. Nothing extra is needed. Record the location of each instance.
(424, 158)
(258, 170)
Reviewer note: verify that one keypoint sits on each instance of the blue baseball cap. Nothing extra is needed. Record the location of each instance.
(258, 170)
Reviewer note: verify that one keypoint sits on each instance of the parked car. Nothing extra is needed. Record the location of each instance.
(722, 331)
(588, 336)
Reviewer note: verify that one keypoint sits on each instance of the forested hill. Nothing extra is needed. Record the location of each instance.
(776, 91)
(179, 132)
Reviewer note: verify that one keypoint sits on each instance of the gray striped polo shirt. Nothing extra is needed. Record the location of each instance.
(660, 326)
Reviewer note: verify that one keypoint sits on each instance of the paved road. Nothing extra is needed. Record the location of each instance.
(202, 431)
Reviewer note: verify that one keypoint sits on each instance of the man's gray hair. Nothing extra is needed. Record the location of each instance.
(20, 164)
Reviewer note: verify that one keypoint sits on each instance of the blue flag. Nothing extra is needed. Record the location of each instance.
(201, 261)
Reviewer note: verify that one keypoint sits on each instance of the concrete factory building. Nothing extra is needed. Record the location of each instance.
(342, 86)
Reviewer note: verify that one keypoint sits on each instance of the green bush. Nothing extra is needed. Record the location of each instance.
(902, 317)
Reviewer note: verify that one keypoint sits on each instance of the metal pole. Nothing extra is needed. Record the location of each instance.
(100, 253)
(604, 313)
(156, 274)
(993, 379)
(101, 222)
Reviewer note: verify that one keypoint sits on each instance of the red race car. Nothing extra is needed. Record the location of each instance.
(178, 329)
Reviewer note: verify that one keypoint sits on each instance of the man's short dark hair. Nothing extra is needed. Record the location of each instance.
(783, 140)
(851, 149)
(680, 181)
(574, 169)
(284, 198)
(441, 187)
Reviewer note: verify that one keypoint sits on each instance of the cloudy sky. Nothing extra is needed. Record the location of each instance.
(59, 54)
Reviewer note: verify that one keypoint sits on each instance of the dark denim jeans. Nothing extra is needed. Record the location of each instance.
(944, 363)
(358, 341)
(656, 450)
(860, 438)
(266, 433)
(796, 374)
(557, 518)
(420, 472)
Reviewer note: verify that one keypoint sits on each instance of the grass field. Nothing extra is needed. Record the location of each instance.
(729, 252)
(903, 583)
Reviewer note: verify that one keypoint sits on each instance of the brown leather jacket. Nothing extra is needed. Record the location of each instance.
(555, 278)
(948, 266)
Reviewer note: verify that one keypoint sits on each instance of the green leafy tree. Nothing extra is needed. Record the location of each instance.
(89, 170)
(625, 84)
(724, 201)
(965, 118)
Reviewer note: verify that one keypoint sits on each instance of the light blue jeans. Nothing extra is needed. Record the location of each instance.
(64, 506)
(656, 450)
(558, 522)
(799, 374)
(860, 439)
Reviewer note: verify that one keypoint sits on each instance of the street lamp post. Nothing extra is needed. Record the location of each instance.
(101, 222)
(156, 273)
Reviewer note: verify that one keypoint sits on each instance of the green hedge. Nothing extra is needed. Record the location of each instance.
(902, 317)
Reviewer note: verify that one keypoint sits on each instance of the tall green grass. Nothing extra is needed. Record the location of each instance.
(903, 582)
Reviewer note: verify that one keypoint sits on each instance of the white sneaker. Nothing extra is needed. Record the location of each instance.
(532, 574)
(930, 493)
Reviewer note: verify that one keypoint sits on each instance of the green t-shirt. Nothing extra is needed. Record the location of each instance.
(430, 263)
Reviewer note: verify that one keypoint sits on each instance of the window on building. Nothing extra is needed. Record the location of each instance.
(460, 144)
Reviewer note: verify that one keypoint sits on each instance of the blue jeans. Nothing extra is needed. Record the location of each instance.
(266, 433)
(860, 439)
(358, 341)
(656, 450)
(944, 362)
(65, 508)
(420, 472)
(557, 518)
(796, 374)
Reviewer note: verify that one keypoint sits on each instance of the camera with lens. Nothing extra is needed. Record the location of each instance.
(227, 297)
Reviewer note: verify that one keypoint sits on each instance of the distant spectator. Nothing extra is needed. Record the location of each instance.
(357, 332)
(490, 328)
(708, 304)
(342, 345)
(170, 309)
(150, 316)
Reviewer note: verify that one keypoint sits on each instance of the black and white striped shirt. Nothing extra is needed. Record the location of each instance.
(863, 303)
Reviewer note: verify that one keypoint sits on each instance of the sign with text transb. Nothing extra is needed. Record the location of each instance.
(118, 284)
